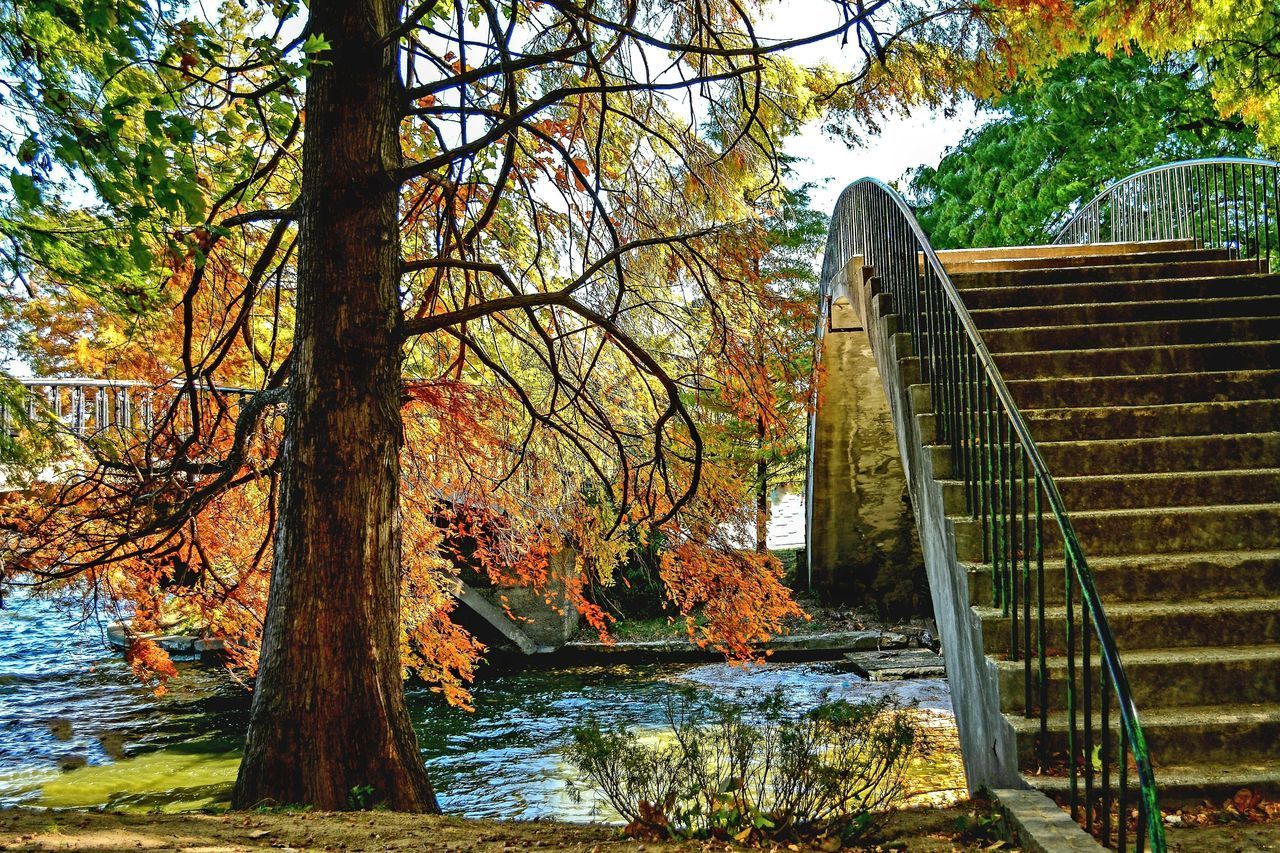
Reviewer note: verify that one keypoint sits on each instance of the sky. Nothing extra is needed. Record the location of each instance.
(903, 144)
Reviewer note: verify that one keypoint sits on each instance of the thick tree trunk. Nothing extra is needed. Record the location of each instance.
(329, 725)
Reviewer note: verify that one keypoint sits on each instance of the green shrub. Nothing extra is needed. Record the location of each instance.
(751, 770)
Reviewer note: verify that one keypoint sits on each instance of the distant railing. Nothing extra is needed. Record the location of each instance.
(1222, 203)
(87, 408)
(1009, 490)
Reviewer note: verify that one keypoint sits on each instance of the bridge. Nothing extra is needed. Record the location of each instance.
(1089, 432)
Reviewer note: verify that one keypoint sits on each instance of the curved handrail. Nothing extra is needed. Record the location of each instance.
(873, 221)
(1223, 202)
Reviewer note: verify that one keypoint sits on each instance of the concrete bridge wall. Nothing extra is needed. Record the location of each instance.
(865, 550)
(987, 739)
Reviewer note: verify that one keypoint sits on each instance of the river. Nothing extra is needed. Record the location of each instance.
(77, 730)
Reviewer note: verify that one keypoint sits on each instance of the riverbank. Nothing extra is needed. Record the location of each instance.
(929, 830)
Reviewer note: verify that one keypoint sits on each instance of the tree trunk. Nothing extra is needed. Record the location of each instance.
(329, 726)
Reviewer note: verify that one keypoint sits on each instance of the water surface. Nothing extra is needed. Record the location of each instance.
(66, 699)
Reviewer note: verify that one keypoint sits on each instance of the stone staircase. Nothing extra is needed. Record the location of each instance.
(1149, 375)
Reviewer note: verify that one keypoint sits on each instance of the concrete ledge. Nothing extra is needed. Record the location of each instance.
(1039, 825)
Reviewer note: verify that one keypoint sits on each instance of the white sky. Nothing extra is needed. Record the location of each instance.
(903, 144)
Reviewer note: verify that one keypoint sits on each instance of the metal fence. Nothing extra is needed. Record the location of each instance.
(1222, 203)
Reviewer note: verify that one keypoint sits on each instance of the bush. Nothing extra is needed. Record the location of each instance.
(752, 771)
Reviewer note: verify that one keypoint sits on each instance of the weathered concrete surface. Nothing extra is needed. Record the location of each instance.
(1039, 825)
(865, 551)
(546, 615)
(987, 740)
(897, 665)
(496, 617)
(535, 620)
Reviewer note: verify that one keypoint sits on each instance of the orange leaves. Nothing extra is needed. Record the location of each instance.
(150, 663)
(740, 595)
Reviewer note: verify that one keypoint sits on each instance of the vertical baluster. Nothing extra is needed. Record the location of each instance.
(1206, 173)
(1275, 213)
(1268, 214)
(957, 356)
(1104, 705)
(1184, 215)
(1023, 466)
(1221, 215)
(1015, 644)
(956, 361)
(1196, 218)
(930, 322)
(1231, 193)
(77, 410)
(1041, 634)
(1256, 251)
(103, 406)
(975, 432)
(988, 502)
(1086, 677)
(997, 491)
(1072, 740)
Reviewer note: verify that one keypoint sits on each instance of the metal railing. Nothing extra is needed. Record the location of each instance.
(1010, 493)
(1222, 203)
(91, 408)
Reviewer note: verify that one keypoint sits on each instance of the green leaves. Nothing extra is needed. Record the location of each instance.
(24, 189)
(1089, 121)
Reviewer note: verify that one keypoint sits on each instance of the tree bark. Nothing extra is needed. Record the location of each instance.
(762, 491)
(329, 724)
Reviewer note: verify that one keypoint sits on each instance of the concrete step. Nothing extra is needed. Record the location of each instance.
(1086, 259)
(1146, 290)
(1209, 330)
(1103, 272)
(949, 256)
(1145, 455)
(1167, 420)
(1078, 314)
(1186, 576)
(1216, 733)
(1150, 530)
(1136, 361)
(1166, 678)
(1149, 389)
(1093, 392)
(1185, 785)
(1137, 491)
(1156, 624)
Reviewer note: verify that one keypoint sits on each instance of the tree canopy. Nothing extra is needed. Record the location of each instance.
(1059, 138)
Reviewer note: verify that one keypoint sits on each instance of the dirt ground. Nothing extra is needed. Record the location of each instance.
(931, 830)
